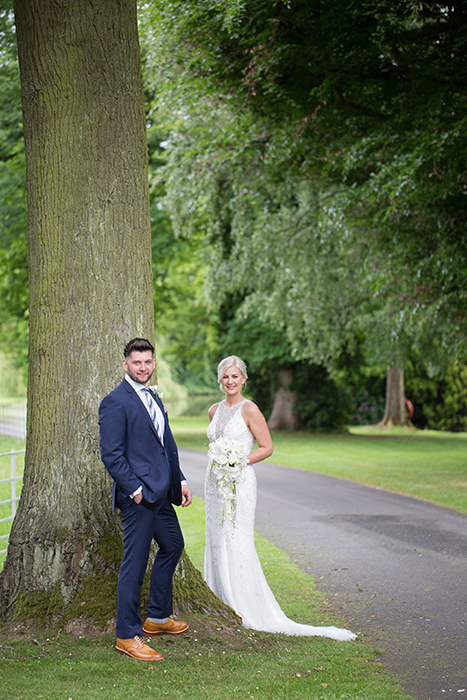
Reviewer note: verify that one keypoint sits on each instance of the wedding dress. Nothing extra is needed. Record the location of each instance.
(231, 565)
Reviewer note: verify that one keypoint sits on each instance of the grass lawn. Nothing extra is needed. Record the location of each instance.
(425, 464)
(202, 664)
(210, 661)
(220, 663)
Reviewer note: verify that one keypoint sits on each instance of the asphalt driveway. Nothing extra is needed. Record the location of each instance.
(394, 567)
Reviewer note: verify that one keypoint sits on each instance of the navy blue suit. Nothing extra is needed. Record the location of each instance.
(134, 456)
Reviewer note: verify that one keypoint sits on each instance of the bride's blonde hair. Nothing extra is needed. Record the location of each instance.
(230, 361)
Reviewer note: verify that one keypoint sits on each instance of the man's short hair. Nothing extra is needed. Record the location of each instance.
(137, 345)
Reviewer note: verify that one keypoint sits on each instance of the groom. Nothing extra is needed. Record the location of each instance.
(139, 452)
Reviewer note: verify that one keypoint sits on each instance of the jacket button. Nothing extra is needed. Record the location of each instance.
(163, 454)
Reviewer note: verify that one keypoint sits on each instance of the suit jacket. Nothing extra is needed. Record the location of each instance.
(131, 451)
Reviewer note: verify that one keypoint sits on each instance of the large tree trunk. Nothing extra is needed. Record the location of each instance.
(90, 292)
(283, 415)
(395, 410)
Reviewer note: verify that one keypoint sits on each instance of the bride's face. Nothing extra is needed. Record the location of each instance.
(232, 381)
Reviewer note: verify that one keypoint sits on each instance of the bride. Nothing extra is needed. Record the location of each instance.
(231, 565)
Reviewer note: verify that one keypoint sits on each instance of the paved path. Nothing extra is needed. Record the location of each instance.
(393, 566)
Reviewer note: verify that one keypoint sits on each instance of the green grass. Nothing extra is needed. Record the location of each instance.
(8, 443)
(210, 661)
(13, 401)
(423, 464)
(197, 666)
(221, 664)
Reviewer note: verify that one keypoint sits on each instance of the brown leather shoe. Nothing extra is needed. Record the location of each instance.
(168, 627)
(137, 649)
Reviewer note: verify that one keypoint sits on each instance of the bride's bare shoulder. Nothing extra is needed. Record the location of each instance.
(250, 409)
(212, 410)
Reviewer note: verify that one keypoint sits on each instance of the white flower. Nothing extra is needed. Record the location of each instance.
(219, 452)
(227, 460)
(160, 394)
(157, 390)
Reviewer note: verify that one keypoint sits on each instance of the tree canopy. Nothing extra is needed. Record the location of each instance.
(319, 145)
(14, 305)
(306, 158)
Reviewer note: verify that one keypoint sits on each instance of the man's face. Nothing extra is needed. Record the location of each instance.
(140, 366)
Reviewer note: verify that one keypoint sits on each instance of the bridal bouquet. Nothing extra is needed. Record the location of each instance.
(227, 460)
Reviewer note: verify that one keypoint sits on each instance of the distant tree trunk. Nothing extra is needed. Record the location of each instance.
(90, 292)
(395, 411)
(283, 415)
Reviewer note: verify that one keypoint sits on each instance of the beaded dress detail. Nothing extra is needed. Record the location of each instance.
(231, 565)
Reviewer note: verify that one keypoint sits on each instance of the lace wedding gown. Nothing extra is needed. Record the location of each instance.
(231, 565)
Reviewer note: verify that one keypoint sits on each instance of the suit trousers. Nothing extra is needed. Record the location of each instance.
(141, 525)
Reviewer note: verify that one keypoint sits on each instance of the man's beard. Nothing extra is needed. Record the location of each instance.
(137, 379)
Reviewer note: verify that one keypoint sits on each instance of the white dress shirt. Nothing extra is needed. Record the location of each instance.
(139, 390)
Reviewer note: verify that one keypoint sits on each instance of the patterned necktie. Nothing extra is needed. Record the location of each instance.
(152, 411)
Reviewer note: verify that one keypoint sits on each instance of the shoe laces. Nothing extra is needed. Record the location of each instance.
(139, 640)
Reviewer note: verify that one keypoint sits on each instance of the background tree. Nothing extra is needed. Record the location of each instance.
(331, 193)
(328, 199)
(90, 290)
(14, 306)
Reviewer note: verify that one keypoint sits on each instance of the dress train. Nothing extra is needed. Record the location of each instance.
(231, 566)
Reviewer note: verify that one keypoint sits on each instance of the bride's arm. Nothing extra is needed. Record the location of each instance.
(256, 423)
(212, 411)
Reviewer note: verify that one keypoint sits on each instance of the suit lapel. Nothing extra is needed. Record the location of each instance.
(134, 397)
(161, 406)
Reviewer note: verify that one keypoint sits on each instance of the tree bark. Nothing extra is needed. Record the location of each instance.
(90, 292)
(283, 416)
(395, 410)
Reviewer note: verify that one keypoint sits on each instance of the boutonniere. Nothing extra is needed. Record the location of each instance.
(160, 394)
(157, 390)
